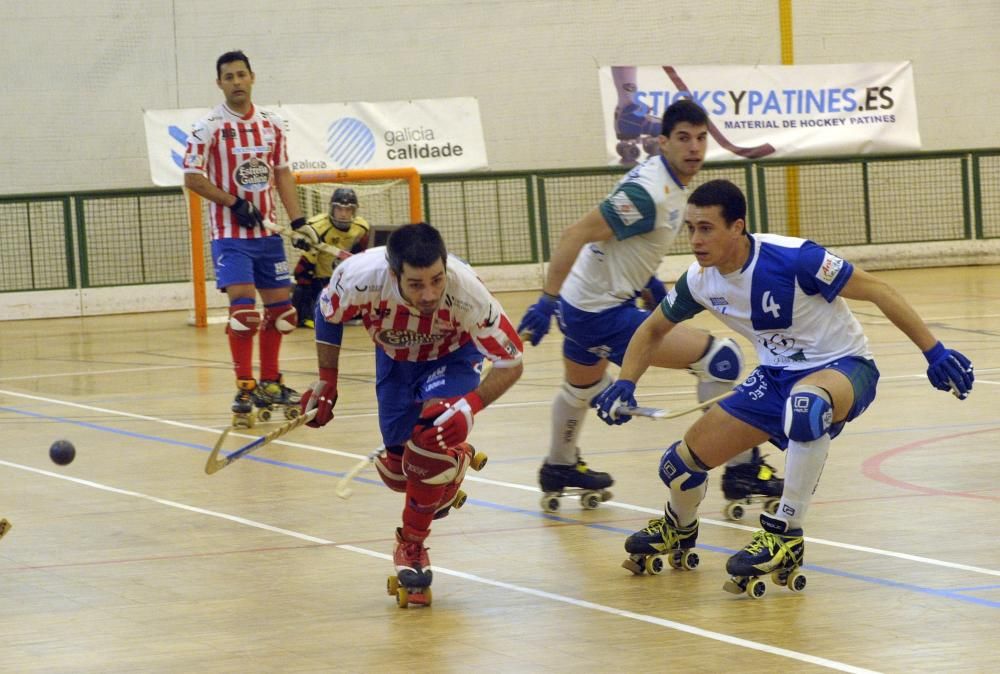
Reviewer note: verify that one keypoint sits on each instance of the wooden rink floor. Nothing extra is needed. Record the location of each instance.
(132, 559)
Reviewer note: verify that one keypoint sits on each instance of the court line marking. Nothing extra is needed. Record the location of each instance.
(541, 594)
(512, 485)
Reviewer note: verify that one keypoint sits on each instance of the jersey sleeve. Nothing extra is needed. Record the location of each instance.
(280, 140)
(679, 304)
(495, 336)
(340, 300)
(818, 271)
(629, 211)
(198, 144)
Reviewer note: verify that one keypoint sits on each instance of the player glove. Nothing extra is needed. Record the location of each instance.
(446, 423)
(308, 237)
(246, 214)
(538, 317)
(949, 371)
(321, 396)
(620, 394)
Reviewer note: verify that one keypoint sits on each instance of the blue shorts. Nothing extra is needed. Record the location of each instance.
(401, 387)
(259, 262)
(591, 336)
(760, 398)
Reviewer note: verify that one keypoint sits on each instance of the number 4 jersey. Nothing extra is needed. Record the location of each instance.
(784, 300)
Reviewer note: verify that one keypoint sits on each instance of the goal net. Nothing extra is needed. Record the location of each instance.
(387, 198)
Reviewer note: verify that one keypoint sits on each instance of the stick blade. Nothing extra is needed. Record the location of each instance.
(214, 463)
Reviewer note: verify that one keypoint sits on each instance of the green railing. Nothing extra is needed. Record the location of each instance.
(114, 238)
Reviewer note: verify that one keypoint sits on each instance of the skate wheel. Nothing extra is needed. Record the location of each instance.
(633, 566)
(653, 565)
(756, 588)
(675, 559)
(460, 498)
(264, 414)
(780, 577)
(796, 581)
(291, 412)
(550, 504)
(402, 597)
(590, 500)
(391, 585)
(606, 495)
(690, 560)
(478, 461)
(771, 505)
(733, 511)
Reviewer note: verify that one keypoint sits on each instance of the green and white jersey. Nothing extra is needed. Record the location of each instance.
(645, 211)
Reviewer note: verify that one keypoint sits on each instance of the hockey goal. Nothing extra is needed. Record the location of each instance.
(386, 198)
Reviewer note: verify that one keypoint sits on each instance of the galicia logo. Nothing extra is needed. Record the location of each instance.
(181, 137)
(350, 143)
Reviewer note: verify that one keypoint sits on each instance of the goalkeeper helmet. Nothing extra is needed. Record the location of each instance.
(347, 198)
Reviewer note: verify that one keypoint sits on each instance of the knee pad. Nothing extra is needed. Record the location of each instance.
(244, 321)
(282, 316)
(580, 397)
(435, 467)
(808, 413)
(390, 468)
(722, 361)
(679, 469)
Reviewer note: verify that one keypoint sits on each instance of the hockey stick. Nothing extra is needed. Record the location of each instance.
(343, 489)
(5, 526)
(215, 464)
(658, 413)
(296, 236)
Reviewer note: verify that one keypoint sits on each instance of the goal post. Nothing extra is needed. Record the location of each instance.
(387, 198)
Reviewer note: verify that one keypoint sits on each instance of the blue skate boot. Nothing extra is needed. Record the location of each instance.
(747, 483)
(775, 550)
(573, 480)
(271, 395)
(661, 537)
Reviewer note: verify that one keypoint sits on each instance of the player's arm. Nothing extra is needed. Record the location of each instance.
(202, 186)
(590, 228)
(642, 347)
(948, 370)
(284, 183)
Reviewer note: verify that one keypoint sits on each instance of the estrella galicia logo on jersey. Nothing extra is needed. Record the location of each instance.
(404, 338)
(349, 142)
(829, 269)
(253, 175)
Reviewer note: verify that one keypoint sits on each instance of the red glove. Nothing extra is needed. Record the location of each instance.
(321, 396)
(446, 423)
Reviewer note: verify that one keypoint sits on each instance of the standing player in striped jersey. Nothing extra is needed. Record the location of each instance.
(432, 321)
(234, 157)
(816, 373)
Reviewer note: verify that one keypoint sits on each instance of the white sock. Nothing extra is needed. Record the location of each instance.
(685, 503)
(804, 463)
(566, 422)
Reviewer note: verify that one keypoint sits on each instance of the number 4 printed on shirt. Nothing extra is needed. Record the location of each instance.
(768, 305)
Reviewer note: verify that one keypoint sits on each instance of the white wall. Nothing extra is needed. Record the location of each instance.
(78, 74)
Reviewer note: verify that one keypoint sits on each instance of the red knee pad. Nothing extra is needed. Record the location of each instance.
(244, 321)
(436, 467)
(390, 469)
(282, 316)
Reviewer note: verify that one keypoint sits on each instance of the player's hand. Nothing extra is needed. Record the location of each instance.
(950, 371)
(610, 400)
(321, 396)
(247, 215)
(538, 317)
(307, 239)
(446, 423)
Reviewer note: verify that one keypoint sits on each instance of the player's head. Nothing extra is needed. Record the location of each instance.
(235, 77)
(716, 224)
(684, 138)
(343, 205)
(417, 257)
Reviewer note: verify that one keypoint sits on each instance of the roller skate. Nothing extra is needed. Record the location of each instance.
(5, 526)
(412, 582)
(775, 550)
(634, 126)
(453, 496)
(662, 537)
(746, 483)
(272, 395)
(243, 403)
(576, 480)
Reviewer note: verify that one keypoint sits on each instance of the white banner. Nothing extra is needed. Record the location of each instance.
(439, 135)
(765, 111)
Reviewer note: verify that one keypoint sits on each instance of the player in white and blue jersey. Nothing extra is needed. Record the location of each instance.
(785, 295)
(600, 266)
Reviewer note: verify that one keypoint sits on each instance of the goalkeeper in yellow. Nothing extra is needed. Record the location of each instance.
(341, 228)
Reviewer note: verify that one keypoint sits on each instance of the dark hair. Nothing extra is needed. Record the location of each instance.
(230, 57)
(724, 194)
(418, 245)
(683, 110)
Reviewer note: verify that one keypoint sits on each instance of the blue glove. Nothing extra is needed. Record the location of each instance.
(538, 317)
(657, 290)
(949, 371)
(607, 402)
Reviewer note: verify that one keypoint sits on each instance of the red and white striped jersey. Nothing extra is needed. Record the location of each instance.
(362, 286)
(238, 155)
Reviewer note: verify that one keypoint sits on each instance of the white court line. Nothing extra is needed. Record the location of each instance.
(542, 594)
(531, 488)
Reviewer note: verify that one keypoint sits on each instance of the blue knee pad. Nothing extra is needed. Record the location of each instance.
(808, 413)
(673, 469)
(721, 362)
